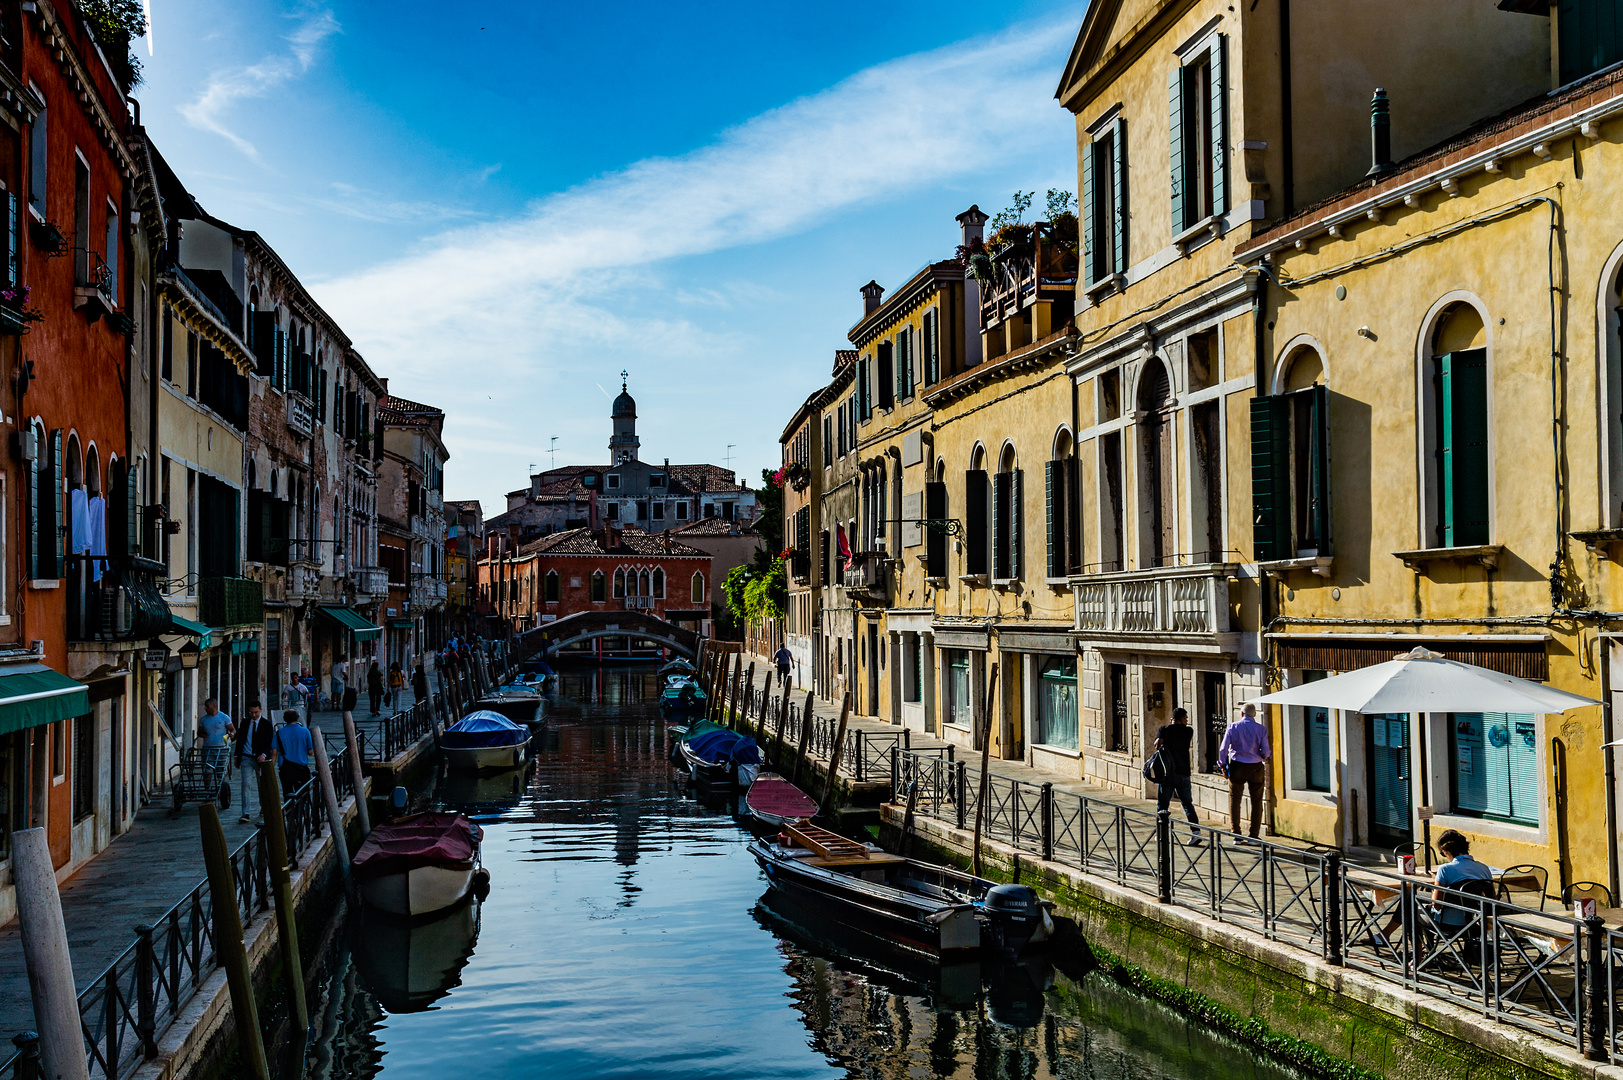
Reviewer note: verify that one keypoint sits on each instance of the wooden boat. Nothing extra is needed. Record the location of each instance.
(682, 700)
(485, 740)
(519, 704)
(418, 864)
(918, 905)
(774, 801)
(410, 965)
(720, 757)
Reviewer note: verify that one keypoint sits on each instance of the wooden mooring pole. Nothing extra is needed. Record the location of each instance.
(329, 796)
(749, 695)
(287, 927)
(45, 951)
(986, 761)
(356, 775)
(783, 718)
(834, 755)
(805, 737)
(228, 943)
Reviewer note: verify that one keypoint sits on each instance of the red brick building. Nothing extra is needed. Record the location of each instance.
(611, 569)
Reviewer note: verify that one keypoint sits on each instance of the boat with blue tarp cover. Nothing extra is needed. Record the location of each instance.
(682, 700)
(719, 756)
(485, 740)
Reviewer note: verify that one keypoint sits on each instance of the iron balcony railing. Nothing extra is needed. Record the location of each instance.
(114, 599)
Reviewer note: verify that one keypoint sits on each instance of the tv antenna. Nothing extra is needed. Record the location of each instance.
(552, 452)
(730, 455)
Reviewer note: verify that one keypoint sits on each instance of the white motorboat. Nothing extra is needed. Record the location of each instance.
(419, 864)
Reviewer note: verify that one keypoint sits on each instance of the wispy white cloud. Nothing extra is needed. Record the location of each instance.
(210, 110)
(546, 300)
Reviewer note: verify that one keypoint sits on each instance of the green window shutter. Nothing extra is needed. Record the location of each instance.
(975, 521)
(935, 539)
(35, 526)
(1180, 219)
(132, 514)
(1270, 478)
(1464, 393)
(1016, 564)
(54, 543)
(1054, 515)
(1319, 468)
(1000, 525)
(1090, 241)
(1073, 515)
(1219, 103)
(932, 349)
(1118, 180)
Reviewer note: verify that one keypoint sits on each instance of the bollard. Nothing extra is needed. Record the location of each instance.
(50, 966)
(1333, 942)
(329, 796)
(1163, 854)
(1595, 1014)
(27, 1066)
(228, 943)
(287, 928)
(834, 755)
(353, 752)
(146, 990)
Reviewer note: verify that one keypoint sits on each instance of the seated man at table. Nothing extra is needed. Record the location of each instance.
(1458, 873)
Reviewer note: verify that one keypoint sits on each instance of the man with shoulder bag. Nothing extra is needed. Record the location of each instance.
(1172, 770)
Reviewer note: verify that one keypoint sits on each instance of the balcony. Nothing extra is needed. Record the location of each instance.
(230, 601)
(125, 605)
(1175, 603)
(370, 583)
(303, 581)
(1038, 266)
(93, 290)
(301, 418)
(640, 603)
(868, 576)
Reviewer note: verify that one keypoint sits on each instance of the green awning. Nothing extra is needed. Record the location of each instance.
(402, 624)
(186, 626)
(354, 622)
(33, 694)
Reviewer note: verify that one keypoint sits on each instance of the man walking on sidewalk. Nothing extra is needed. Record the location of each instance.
(255, 749)
(293, 749)
(785, 661)
(1172, 741)
(1244, 756)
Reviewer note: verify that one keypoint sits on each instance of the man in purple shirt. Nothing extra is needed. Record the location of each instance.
(1244, 755)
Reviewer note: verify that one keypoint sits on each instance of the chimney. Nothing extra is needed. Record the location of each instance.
(1380, 133)
(971, 221)
(871, 293)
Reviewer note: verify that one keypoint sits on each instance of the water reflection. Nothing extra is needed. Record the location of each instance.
(629, 934)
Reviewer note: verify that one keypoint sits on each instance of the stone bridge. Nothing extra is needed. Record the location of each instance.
(588, 625)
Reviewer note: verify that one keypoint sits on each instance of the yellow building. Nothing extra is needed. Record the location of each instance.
(1444, 383)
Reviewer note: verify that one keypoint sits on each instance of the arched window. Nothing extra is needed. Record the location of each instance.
(598, 583)
(1157, 485)
(1062, 504)
(659, 584)
(1007, 540)
(643, 585)
(619, 584)
(1290, 460)
(977, 516)
(552, 587)
(698, 587)
(1460, 502)
(45, 505)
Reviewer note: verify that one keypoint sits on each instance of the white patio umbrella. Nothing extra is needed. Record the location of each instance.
(1424, 681)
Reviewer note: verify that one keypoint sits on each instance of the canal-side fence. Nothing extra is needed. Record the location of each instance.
(127, 1008)
(460, 688)
(1545, 972)
(868, 755)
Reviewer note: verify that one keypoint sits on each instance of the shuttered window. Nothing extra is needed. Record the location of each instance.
(887, 362)
(1270, 478)
(1006, 541)
(1290, 474)
(1054, 515)
(931, 347)
(975, 521)
(828, 440)
(1590, 36)
(1462, 451)
(1104, 203)
(864, 391)
(1198, 136)
(935, 538)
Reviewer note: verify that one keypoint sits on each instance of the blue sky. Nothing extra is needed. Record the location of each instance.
(506, 204)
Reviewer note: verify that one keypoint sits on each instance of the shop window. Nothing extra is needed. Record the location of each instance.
(1213, 706)
(1310, 755)
(958, 708)
(1056, 702)
(1495, 766)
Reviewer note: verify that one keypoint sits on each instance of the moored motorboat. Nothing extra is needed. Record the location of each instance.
(485, 740)
(721, 756)
(918, 905)
(774, 801)
(682, 699)
(418, 864)
(678, 666)
(518, 703)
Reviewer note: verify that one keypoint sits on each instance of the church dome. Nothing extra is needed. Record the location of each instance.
(624, 406)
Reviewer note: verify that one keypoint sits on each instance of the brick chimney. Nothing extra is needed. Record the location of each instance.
(971, 223)
(871, 295)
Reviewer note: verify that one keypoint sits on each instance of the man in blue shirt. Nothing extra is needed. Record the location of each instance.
(293, 749)
(213, 726)
(1453, 874)
(1244, 756)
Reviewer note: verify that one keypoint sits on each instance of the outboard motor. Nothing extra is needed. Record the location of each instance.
(1013, 914)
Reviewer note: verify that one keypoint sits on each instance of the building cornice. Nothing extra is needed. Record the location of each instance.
(196, 313)
(918, 290)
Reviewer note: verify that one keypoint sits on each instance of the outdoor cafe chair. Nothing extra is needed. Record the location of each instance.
(1587, 890)
(1523, 884)
(1419, 851)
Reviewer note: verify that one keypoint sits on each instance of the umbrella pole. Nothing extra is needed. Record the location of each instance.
(1425, 788)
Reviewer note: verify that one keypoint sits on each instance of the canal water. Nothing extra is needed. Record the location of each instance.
(628, 933)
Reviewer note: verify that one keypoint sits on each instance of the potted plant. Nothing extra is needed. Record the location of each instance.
(15, 312)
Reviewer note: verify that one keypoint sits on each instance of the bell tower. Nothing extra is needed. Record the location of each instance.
(624, 442)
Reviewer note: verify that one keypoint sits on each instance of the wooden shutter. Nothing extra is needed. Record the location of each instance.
(1464, 393)
(1054, 515)
(1000, 525)
(1319, 467)
(35, 527)
(1180, 216)
(935, 538)
(864, 392)
(887, 373)
(1073, 515)
(1218, 87)
(975, 521)
(1270, 478)
(1016, 523)
(931, 350)
(1090, 239)
(131, 524)
(54, 541)
(1118, 182)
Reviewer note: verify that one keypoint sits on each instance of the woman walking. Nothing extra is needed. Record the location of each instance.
(397, 682)
(374, 686)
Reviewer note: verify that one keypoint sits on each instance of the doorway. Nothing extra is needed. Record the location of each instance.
(1214, 718)
(1118, 708)
(1160, 698)
(1389, 737)
(873, 669)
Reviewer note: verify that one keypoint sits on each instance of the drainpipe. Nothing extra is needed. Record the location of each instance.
(1287, 143)
(1606, 728)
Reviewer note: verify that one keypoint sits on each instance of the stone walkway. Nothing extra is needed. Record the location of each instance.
(142, 874)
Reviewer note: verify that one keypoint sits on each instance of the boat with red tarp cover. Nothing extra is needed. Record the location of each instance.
(772, 800)
(418, 864)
